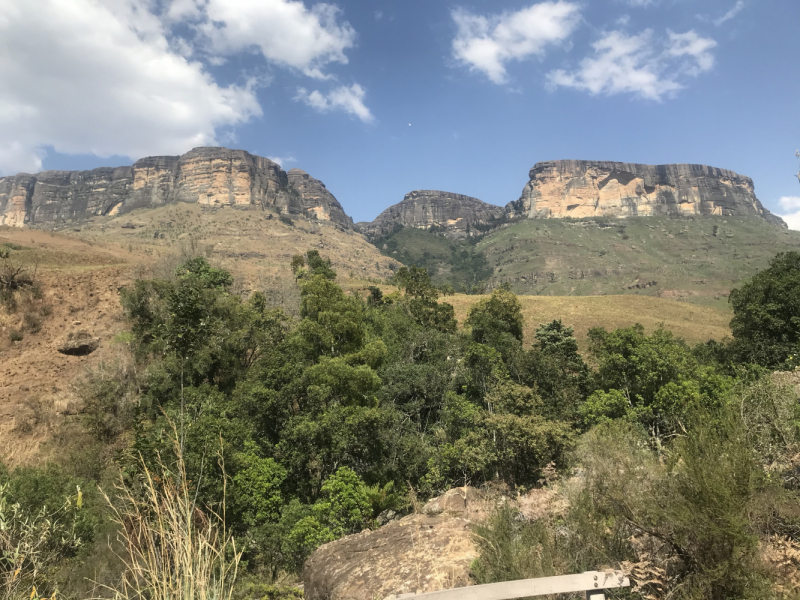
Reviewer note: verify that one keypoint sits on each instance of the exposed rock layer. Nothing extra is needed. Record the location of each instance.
(577, 188)
(209, 176)
(459, 215)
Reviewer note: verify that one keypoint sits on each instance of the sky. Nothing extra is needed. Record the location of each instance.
(377, 98)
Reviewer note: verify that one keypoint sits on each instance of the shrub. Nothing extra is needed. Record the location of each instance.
(512, 547)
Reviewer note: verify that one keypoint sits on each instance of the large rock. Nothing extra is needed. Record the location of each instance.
(458, 215)
(79, 343)
(417, 554)
(579, 188)
(209, 176)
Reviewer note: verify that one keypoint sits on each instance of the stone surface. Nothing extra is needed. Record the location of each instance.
(79, 344)
(317, 201)
(575, 188)
(457, 214)
(416, 554)
(419, 553)
(208, 176)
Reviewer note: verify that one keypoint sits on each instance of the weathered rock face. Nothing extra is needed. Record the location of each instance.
(576, 188)
(459, 215)
(317, 201)
(209, 176)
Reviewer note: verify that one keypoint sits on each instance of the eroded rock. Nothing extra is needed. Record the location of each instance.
(579, 188)
(79, 343)
(209, 176)
(416, 554)
(456, 214)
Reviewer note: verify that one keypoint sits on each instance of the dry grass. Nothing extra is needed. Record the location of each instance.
(174, 548)
(692, 322)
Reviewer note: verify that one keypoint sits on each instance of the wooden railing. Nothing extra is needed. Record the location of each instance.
(594, 583)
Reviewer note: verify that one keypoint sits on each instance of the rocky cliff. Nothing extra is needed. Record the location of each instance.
(578, 188)
(208, 176)
(458, 215)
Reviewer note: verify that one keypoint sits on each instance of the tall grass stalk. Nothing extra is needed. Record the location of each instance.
(174, 549)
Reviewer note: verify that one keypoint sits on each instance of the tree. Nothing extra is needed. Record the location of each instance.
(766, 312)
(496, 319)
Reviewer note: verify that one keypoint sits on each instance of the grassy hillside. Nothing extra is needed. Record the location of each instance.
(692, 259)
(691, 322)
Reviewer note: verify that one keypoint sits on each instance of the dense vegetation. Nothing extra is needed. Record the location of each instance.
(309, 428)
(452, 263)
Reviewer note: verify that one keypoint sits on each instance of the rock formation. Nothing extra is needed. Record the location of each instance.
(577, 188)
(419, 553)
(318, 201)
(458, 215)
(209, 176)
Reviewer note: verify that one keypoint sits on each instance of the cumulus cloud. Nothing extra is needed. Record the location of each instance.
(639, 64)
(791, 207)
(285, 32)
(488, 43)
(83, 76)
(348, 99)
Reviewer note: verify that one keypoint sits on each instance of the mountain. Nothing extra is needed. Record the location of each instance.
(580, 188)
(456, 215)
(207, 176)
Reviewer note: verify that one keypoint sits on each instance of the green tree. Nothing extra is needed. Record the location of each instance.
(766, 312)
(496, 319)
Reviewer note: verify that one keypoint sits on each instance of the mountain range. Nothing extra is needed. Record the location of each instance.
(215, 176)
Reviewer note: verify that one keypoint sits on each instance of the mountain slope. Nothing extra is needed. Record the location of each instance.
(698, 259)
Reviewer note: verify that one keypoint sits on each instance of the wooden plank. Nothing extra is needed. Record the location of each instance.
(541, 586)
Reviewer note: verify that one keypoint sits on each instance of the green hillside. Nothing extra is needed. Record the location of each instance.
(449, 261)
(693, 259)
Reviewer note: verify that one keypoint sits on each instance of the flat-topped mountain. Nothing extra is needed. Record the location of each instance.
(458, 215)
(208, 176)
(580, 188)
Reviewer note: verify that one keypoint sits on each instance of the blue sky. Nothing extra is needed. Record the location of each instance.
(380, 97)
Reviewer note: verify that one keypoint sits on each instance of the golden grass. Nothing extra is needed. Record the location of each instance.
(691, 322)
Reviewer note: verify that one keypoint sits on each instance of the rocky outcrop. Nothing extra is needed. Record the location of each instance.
(576, 188)
(419, 553)
(317, 201)
(457, 215)
(208, 176)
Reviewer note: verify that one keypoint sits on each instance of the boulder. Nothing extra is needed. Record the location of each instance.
(80, 343)
(416, 554)
(419, 553)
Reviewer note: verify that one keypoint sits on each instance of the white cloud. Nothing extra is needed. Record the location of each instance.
(285, 32)
(349, 99)
(638, 64)
(283, 160)
(691, 45)
(641, 3)
(737, 8)
(487, 43)
(790, 204)
(102, 78)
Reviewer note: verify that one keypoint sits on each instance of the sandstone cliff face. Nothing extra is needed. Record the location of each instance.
(457, 214)
(317, 201)
(208, 176)
(575, 188)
